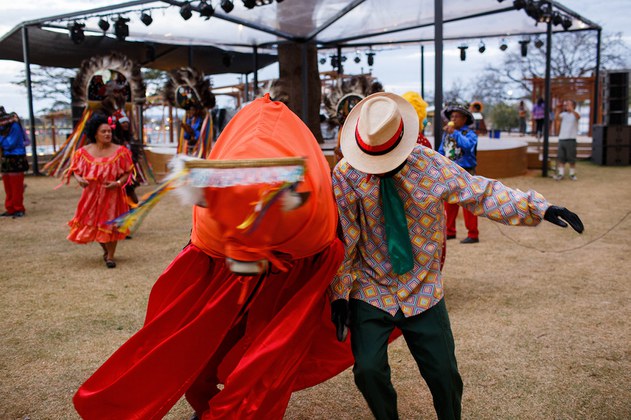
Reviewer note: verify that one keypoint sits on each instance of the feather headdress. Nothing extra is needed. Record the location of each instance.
(187, 87)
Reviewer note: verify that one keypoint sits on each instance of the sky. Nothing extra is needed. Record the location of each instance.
(398, 69)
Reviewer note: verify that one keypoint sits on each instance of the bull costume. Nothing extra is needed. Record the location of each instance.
(261, 336)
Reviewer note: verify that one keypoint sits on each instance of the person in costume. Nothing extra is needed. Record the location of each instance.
(102, 169)
(460, 144)
(14, 163)
(478, 125)
(192, 126)
(390, 193)
(243, 308)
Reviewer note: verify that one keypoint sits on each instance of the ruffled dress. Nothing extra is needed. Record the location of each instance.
(97, 204)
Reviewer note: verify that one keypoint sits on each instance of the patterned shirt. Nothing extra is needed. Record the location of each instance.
(424, 183)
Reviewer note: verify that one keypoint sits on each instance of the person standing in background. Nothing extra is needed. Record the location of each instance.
(460, 144)
(14, 163)
(523, 114)
(567, 127)
(539, 114)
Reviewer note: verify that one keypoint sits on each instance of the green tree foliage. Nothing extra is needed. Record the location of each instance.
(504, 117)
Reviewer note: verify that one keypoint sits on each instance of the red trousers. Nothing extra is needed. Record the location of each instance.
(14, 190)
(470, 221)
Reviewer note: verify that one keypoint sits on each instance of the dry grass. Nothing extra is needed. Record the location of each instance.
(538, 334)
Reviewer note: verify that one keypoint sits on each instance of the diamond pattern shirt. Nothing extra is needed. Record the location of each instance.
(426, 181)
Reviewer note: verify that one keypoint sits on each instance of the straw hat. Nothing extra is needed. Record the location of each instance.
(379, 133)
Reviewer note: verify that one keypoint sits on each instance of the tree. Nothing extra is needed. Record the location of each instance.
(50, 84)
(573, 55)
(504, 117)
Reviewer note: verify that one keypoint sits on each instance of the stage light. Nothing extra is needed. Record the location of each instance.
(503, 45)
(524, 47)
(186, 11)
(370, 58)
(76, 32)
(206, 10)
(146, 18)
(519, 4)
(557, 18)
(538, 43)
(334, 61)
(322, 60)
(121, 30)
(357, 58)
(104, 25)
(545, 12)
(250, 4)
(481, 47)
(463, 52)
(567, 23)
(227, 5)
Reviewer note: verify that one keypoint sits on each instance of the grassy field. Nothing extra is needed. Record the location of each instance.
(541, 316)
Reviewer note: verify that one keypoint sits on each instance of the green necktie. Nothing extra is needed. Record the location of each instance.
(397, 235)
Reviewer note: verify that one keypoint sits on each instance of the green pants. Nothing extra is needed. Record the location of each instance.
(429, 338)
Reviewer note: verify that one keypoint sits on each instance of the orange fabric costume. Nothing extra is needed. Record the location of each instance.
(97, 204)
(263, 336)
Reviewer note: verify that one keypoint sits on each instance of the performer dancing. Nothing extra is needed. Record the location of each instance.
(261, 335)
(102, 169)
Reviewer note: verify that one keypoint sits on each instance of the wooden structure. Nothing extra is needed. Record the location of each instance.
(579, 89)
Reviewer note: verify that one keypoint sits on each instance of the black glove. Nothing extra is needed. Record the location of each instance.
(554, 215)
(340, 318)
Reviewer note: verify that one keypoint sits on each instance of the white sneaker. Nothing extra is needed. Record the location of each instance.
(573, 177)
(557, 177)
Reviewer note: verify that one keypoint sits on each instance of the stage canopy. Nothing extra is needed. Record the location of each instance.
(170, 41)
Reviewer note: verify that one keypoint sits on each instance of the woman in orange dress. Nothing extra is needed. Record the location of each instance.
(102, 169)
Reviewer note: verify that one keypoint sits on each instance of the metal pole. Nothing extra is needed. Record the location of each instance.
(438, 72)
(339, 61)
(246, 89)
(423, 71)
(595, 106)
(29, 92)
(255, 80)
(546, 120)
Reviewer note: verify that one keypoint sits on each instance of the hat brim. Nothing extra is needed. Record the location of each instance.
(466, 113)
(371, 164)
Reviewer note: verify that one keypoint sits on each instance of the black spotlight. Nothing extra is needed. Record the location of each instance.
(279, 1)
(104, 25)
(503, 45)
(557, 19)
(227, 5)
(371, 58)
(76, 32)
(334, 61)
(322, 60)
(206, 10)
(567, 23)
(250, 4)
(121, 30)
(226, 59)
(186, 11)
(146, 18)
(519, 4)
(357, 59)
(481, 47)
(538, 43)
(545, 12)
(463, 52)
(524, 47)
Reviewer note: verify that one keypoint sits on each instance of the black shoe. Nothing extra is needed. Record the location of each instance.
(110, 263)
(6, 214)
(468, 240)
(451, 237)
(18, 214)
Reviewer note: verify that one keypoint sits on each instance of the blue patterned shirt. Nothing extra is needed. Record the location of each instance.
(426, 181)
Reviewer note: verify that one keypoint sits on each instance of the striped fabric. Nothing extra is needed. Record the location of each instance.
(425, 182)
